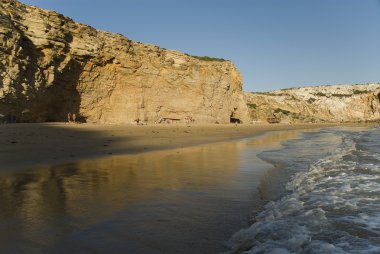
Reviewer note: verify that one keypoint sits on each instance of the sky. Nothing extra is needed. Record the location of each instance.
(275, 44)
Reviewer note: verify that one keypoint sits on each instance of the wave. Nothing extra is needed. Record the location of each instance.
(332, 207)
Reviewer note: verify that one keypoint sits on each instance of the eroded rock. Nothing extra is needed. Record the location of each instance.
(51, 65)
(338, 103)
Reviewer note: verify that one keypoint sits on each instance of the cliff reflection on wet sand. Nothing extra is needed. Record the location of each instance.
(49, 205)
(186, 200)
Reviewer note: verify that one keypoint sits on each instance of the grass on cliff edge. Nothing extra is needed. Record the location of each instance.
(252, 105)
(283, 111)
(207, 58)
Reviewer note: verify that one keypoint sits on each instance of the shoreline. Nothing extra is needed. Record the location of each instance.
(28, 145)
(224, 183)
(196, 196)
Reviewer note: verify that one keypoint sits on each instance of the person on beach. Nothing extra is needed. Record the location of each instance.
(74, 118)
(69, 117)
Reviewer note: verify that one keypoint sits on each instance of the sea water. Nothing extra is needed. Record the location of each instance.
(331, 196)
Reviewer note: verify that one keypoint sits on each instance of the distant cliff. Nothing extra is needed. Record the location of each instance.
(339, 103)
(50, 65)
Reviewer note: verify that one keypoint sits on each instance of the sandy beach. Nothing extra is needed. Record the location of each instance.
(145, 189)
(135, 189)
(26, 145)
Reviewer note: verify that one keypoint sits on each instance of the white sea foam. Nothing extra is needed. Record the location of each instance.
(333, 207)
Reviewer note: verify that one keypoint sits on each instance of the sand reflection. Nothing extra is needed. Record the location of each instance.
(48, 204)
(273, 138)
(180, 201)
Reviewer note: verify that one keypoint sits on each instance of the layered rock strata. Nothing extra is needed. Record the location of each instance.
(338, 103)
(51, 65)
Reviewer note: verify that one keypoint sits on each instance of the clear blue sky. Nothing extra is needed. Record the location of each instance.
(274, 43)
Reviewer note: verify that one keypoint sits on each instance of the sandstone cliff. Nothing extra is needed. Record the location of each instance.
(50, 65)
(339, 103)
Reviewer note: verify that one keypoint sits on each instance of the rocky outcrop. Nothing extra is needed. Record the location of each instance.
(51, 65)
(339, 103)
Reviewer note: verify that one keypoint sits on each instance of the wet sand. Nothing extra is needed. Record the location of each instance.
(26, 145)
(184, 200)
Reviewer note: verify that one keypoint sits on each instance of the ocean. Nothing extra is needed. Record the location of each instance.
(330, 199)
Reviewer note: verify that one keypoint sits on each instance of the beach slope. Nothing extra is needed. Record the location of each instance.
(26, 145)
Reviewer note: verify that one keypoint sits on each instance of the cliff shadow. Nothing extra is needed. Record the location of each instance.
(51, 143)
(59, 98)
(62, 97)
(46, 88)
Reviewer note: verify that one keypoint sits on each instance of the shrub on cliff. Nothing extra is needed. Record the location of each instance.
(252, 105)
(341, 95)
(207, 58)
(360, 91)
(283, 111)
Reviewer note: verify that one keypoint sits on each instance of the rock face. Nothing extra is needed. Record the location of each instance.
(339, 103)
(51, 65)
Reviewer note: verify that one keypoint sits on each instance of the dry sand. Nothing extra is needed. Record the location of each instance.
(27, 145)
